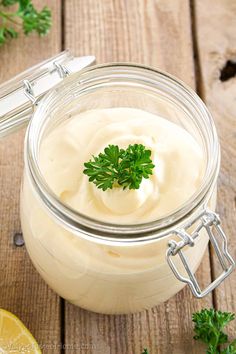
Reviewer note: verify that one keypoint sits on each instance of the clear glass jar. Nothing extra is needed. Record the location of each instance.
(110, 268)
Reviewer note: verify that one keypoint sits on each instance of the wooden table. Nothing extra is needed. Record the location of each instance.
(192, 40)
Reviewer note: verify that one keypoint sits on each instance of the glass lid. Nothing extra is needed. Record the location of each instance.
(19, 95)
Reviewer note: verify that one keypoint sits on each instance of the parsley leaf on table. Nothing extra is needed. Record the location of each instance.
(26, 16)
(209, 325)
(120, 167)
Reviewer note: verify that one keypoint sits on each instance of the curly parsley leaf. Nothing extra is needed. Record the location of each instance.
(8, 2)
(145, 351)
(231, 349)
(33, 20)
(120, 167)
(209, 326)
(26, 16)
(7, 33)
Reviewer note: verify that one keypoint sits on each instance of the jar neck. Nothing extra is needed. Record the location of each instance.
(97, 78)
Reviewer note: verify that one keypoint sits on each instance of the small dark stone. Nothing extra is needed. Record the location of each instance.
(228, 71)
(18, 239)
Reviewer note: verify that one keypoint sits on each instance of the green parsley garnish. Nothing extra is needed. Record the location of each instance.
(209, 325)
(25, 16)
(145, 351)
(119, 167)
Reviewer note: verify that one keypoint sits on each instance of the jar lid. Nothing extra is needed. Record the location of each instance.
(19, 95)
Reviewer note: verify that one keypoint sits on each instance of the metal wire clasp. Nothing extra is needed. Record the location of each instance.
(29, 92)
(208, 221)
(62, 71)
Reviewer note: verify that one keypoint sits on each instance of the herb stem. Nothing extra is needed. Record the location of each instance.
(9, 17)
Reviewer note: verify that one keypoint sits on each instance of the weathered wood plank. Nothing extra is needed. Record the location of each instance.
(22, 291)
(216, 38)
(156, 33)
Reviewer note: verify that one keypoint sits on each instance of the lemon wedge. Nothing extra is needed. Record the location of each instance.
(14, 336)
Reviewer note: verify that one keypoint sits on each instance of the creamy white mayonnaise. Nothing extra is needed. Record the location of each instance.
(100, 277)
(178, 159)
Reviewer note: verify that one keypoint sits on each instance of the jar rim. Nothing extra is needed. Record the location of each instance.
(101, 231)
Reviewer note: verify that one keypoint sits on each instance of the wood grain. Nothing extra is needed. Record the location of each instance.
(151, 32)
(216, 38)
(22, 291)
(156, 33)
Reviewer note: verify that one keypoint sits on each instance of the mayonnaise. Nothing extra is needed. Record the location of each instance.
(96, 276)
(178, 159)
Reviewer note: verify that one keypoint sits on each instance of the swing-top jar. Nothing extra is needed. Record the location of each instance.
(117, 250)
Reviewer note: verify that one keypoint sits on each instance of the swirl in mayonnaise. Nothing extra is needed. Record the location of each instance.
(178, 159)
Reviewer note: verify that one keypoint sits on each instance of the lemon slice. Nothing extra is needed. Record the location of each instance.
(14, 336)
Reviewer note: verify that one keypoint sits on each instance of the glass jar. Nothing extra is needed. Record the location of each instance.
(117, 269)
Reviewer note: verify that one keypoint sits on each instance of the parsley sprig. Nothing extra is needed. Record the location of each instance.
(26, 16)
(209, 325)
(119, 167)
